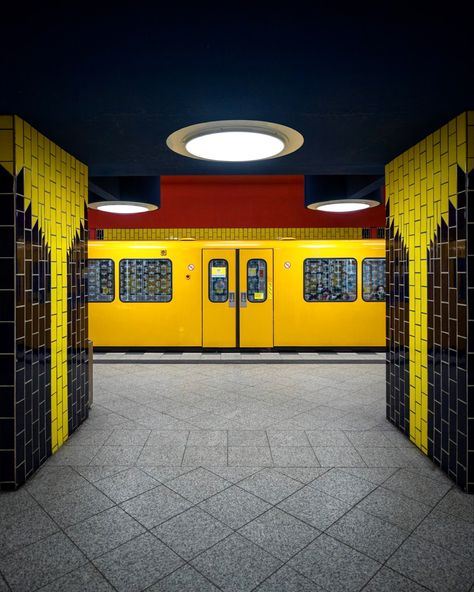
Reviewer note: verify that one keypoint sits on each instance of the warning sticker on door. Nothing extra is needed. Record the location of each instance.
(258, 296)
(218, 272)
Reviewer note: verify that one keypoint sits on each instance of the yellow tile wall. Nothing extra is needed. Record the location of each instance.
(57, 185)
(420, 184)
(230, 233)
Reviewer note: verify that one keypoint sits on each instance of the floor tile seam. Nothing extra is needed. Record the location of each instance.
(384, 519)
(407, 535)
(413, 498)
(284, 562)
(259, 469)
(40, 540)
(300, 573)
(365, 466)
(225, 524)
(352, 507)
(364, 479)
(122, 544)
(380, 564)
(432, 511)
(399, 573)
(123, 470)
(195, 504)
(269, 447)
(190, 469)
(406, 497)
(184, 448)
(63, 528)
(404, 575)
(189, 561)
(86, 560)
(186, 564)
(116, 503)
(3, 579)
(274, 505)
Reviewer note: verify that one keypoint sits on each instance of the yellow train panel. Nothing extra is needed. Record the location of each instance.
(219, 298)
(280, 314)
(149, 324)
(256, 298)
(325, 323)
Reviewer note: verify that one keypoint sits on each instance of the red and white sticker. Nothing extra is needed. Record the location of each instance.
(287, 265)
(191, 267)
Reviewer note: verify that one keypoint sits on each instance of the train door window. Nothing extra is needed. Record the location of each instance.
(330, 280)
(218, 280)
(100, 279)
(146, 280)
(256, 280)
(373, 280)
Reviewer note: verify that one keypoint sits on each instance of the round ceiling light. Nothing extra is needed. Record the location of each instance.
(235, 140)
(122, 207)
(338, 206)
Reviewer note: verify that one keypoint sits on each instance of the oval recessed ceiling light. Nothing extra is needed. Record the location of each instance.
(235, 140)
(343, 206)
(122, 207)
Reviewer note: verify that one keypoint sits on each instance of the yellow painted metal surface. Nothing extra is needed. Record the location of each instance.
(219, 318)
(256, 318)
(147, 324)
(324, 324)
(191, 320)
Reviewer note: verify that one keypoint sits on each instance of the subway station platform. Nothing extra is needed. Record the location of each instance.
(206, 477)
(257, 357)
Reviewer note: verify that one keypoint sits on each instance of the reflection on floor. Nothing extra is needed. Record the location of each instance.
(237, 477)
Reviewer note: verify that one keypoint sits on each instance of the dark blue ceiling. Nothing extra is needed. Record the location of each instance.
(111, 86)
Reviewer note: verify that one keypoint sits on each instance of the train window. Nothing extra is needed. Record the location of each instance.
(145, 280)
(100, 280)
(373, 280)
(256, 280)
(333, 280)
(218, 280)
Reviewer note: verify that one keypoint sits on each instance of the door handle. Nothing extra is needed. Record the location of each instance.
(243, 300)
(231, 299)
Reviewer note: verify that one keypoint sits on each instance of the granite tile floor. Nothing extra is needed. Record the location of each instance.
(237, 477)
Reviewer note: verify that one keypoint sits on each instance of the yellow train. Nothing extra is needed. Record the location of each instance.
(230, 294)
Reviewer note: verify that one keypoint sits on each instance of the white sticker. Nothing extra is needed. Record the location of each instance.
(191, 267)
(287, 265)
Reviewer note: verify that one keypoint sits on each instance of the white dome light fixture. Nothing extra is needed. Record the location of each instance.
(343, 193)
(235, 140)
(122, 207)
(343, 205)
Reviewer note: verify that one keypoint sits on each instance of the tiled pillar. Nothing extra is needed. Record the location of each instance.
(43, 308)
(430, 257)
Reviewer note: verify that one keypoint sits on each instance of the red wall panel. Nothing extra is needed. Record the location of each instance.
(228, 201)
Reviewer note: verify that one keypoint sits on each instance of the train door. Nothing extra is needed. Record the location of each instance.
(256, 297)
(219, 318)
(237, 298)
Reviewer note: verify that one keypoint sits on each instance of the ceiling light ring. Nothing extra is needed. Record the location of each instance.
(105, 205)
(368, 203)
(291, 139)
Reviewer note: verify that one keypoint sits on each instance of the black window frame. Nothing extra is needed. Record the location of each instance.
(335, 259)
(209, 277)
(113, 280)
(266, 280)
(362, 279)
(147, 259)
